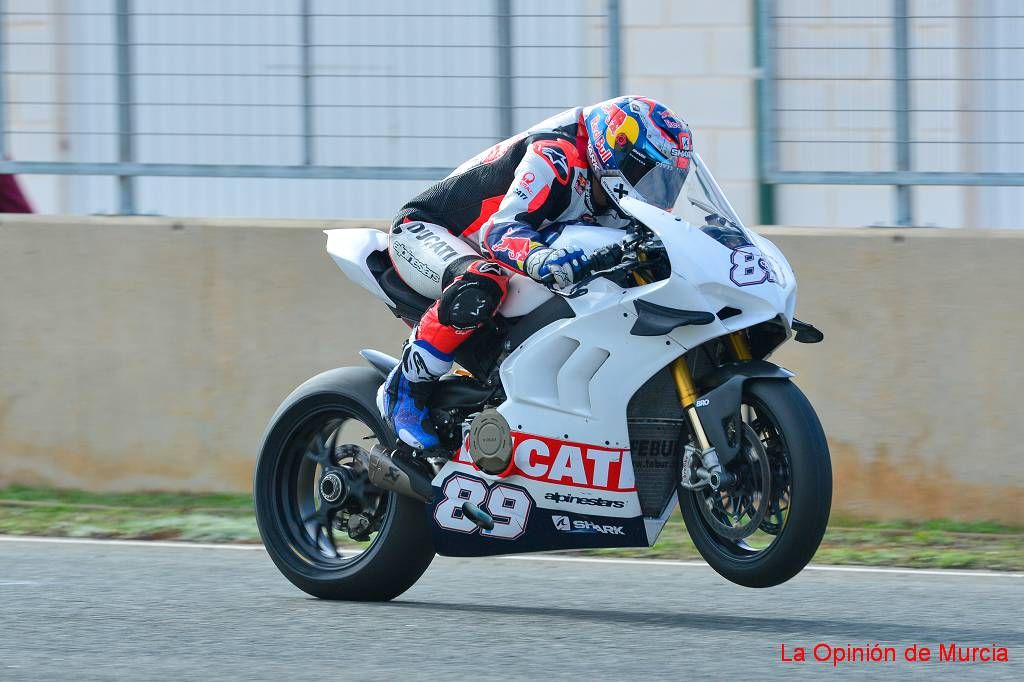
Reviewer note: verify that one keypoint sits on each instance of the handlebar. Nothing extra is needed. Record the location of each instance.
(641, 248)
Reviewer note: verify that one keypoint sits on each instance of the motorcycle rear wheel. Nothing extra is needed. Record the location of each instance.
(285, 494)
(799, 501)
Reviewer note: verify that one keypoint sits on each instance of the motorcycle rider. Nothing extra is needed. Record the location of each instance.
(495, 215)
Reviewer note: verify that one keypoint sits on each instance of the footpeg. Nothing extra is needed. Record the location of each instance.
(477, 515)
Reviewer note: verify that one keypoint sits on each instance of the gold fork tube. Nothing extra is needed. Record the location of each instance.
(684, 382)
(687, 397)
(740, 346)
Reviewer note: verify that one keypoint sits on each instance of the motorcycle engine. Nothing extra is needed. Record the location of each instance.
(490, 441)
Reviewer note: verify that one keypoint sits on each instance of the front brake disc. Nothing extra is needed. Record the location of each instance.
(725, 510)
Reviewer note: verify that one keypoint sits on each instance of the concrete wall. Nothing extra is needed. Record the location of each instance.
(147, 353)
(918, 380)
(143, 353)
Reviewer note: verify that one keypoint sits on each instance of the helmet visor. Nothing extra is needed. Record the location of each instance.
(661, 185)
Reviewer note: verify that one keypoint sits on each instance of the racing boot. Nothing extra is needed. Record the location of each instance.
(404, 398)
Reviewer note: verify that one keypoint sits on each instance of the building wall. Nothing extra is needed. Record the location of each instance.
(148, 354)
(699, 59)
(423, 77)
(394, 83)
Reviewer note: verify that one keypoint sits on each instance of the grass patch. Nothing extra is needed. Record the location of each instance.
(226, 501)
(197, 517)
(229, 518)
(927, 544)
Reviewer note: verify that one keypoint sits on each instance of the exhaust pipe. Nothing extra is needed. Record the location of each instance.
(389, 473)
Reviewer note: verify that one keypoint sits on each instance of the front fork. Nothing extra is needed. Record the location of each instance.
(687, 391)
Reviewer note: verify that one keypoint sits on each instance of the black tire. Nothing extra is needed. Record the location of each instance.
(402, 549)
(810, 498)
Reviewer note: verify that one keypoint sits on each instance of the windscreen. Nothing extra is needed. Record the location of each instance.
(702, 203)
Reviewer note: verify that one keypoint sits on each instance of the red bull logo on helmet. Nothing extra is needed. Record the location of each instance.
(623, 130)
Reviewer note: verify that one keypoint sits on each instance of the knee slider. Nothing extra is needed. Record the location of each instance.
(468, 301)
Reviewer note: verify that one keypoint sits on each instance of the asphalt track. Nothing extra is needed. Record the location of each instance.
(91, 611)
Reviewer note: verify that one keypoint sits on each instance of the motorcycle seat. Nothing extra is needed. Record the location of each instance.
(409, 304)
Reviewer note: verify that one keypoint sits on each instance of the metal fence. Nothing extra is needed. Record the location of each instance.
(893, 92)
(337, 107)
(325, 89)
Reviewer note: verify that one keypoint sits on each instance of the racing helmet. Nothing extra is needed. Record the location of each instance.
(638, 146)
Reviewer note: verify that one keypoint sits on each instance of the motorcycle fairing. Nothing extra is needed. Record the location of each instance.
(564, 495)
(571, 380)
(350, 250)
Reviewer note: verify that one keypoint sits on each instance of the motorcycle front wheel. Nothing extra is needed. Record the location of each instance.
(767, 525)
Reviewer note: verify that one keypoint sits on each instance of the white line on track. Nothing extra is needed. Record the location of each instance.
(524, 557)
(127, 543)
(811, 567)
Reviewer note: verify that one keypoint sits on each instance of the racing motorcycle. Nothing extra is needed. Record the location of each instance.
(576, 419)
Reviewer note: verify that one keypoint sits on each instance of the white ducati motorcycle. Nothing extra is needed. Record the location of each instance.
(576, 419)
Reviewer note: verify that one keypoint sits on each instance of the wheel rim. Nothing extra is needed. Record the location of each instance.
(747, 521)
(318, 490)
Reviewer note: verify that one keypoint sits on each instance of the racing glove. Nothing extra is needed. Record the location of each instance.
(568, 265)
(560, 267)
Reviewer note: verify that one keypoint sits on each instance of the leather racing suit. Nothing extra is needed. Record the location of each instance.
(461, 239)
